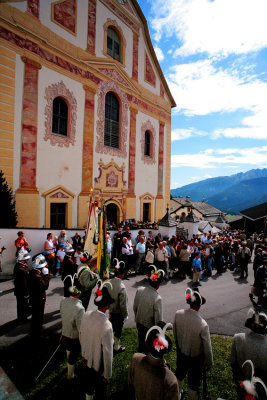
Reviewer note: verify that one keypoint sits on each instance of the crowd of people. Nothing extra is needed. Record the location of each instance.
(96, 335)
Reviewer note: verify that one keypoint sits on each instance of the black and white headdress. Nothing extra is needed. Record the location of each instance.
(74, 291)
(156, 340)
(250, 386)
(102, 295)
(194, 298)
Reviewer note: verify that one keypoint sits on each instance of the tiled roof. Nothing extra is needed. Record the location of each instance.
(256, 212)
(204, 208)
(167, 220)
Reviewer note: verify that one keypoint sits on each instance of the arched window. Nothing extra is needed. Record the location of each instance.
(147, 150)
(113, 44)
(112, 127)
(60, 117)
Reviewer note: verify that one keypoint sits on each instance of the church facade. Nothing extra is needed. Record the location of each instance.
(85, 108)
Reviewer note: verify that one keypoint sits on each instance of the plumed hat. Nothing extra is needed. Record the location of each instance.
(193, 298)
(72, 290)
(255, 388)
(256, 321)
(85, 257)
(119, 268)
(102, 295)
(157, 342)
(156, 276)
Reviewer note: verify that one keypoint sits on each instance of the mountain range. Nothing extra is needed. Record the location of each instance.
(230, 194)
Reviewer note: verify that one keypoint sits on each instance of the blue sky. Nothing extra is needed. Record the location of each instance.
(214, 57)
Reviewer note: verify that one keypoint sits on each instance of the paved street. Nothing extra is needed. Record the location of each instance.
(225, 310)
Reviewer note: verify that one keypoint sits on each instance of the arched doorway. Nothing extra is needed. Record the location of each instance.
(112, 213)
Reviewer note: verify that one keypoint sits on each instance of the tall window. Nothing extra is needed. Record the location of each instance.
(60, 117)
(112, 128)
(147, 150)
(113, 44)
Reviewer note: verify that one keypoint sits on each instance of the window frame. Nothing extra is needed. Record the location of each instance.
(116, 40)
(112, 24)
(114, 123)
(60, 117)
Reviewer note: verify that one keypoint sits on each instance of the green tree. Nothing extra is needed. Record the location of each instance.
(9, 215)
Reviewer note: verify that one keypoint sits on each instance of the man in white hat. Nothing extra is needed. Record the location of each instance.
(39, 282)
(193, 345)
(21, 283)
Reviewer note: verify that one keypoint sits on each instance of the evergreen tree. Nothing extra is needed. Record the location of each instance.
(8, 212)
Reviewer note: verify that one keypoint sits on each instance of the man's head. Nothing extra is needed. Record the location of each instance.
(157, 342)
(103, 298)
(256, 321)
(156, 277)
(194, 299)
(62, 233)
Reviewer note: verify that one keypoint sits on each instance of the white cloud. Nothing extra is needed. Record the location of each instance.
(200, 89)
(159, 53)
(216, 158)
(216, 27)
(181, 134)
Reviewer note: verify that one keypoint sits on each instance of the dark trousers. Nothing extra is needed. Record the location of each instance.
(37, 319)
(243, 267)
(23, 310)
(193, 366)
(142, 331)
(93, 383)
(72, 345)
(117, 324)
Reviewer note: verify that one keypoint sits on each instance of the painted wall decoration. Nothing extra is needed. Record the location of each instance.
(29, 125)
(147, 126)
(66, 65)
(135, 57)
(150, 76)
(91, 26)
(51, 92)
(112, 179)
(107, 174)
(64, 13)
(59, 195)
(103, 89)
(162, 92)
(34, 8)
(113, 74)
(129, 21)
